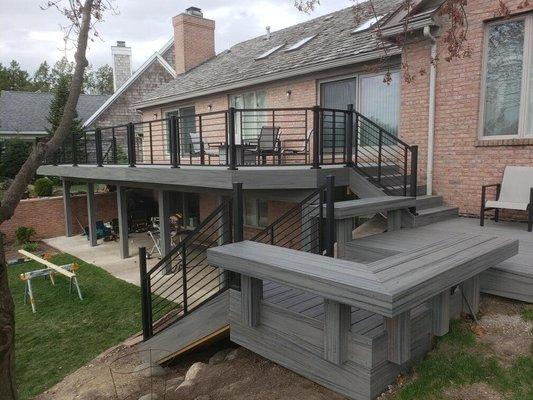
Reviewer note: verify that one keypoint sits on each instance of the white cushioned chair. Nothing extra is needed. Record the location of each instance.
(514, 193)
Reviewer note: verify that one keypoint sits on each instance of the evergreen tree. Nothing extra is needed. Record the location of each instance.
(103, 80)
(57, 105)
(62, 68)
(42, 79)
(14, 78)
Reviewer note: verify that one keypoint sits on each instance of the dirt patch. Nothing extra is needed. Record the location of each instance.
(509, 336)
(493, 305)
(472, 392)
(13, 248)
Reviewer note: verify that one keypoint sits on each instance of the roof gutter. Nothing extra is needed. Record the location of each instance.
(431, 109)
(265, 79)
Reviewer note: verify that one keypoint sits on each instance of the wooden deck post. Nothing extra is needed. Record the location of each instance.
(251, 295)
(122, 205)
(163, 200)
(343, 229)
(441, 313)
(399, 338)
(67, 208)
(471, 289)
(394, 220)
(91, 214)
(336, 327)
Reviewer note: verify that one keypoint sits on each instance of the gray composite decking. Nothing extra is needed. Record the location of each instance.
(512, 278)
(349, 326)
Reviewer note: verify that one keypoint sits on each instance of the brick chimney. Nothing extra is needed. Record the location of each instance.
(121, 64)
(194, 39)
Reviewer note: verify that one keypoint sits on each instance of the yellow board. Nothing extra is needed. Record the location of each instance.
(40, 260)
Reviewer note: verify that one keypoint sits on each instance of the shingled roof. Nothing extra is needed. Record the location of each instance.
(25, 113)
(335, 44)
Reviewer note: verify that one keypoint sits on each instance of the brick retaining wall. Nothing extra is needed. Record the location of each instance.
(46, 216)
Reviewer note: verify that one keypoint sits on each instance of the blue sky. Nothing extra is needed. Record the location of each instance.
(31, 35)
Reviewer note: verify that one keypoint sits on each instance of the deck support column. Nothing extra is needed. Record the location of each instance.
(163, 200)
(251, 295)
(67, 208)
(122, 205)
(471, 289)
(394, 220)
(399, 338)
(344, 228)
(91, 214)
(441, 313)
(337, 320)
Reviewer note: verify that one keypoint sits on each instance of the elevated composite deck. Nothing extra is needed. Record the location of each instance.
(512, 278)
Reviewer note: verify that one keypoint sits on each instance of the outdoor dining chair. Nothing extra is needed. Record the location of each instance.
(197, 148)
(268, 144)
(296, 147)
(514, 193)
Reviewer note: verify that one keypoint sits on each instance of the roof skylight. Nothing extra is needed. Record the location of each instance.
(300, 43)
(268, 52)
(367, 24)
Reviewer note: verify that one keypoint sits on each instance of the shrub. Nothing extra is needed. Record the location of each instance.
(43, 187)
(56, 180)
(24, 234)
(16, 151)
(30, 246)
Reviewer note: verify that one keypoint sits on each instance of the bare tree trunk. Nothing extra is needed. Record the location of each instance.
(12, 196)
(8, 389)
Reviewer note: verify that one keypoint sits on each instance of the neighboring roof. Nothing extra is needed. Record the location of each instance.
(334, 45)
(157, 56)
(422, 14)
(26, 112)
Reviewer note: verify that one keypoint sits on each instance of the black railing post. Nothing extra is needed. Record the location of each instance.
(330, 216)
(348, 132)
(114, 146)
(414, 174)
(356, 144)
(174, 145)
(185, 303)
(232, 148)
(146, 297)
(98, 147)
(380, 152)
(316, 137)
(74, 150)
(131, 144)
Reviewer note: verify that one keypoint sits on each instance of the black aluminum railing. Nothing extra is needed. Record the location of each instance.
(305, 227)
(182, 280)
(235, 138)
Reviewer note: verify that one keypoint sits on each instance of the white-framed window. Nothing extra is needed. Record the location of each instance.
(187, 125)
(507, 91)
(256, 212)
(248, 123)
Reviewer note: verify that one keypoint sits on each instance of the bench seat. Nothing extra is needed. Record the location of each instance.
(508, 205)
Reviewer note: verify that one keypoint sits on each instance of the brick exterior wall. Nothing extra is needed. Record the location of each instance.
(194, 41)
(462, 163)
(30, 213)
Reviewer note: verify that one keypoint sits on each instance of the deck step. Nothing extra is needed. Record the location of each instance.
(428, 201)
(435, 214)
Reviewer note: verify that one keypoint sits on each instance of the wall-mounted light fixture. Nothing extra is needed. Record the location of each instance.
(289, 93)
(210, 107)
(155, 115)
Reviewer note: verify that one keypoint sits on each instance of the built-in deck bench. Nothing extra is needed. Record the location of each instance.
(349, 326)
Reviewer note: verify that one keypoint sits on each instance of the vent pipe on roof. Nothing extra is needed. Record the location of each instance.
(268, 32)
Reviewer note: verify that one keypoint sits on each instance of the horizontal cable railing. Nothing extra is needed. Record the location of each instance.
(182, 280)
(233, 138)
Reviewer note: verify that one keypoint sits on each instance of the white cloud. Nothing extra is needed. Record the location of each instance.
(31, 35)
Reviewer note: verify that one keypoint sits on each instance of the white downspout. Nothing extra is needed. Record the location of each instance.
(431, 110)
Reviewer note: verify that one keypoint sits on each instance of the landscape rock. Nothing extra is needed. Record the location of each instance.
(203, 397)
(236, 353)
(219, 357)
(194, 370)
(149, 396)
(173, 383)
(146, 371)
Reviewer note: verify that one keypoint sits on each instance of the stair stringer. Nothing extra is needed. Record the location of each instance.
(361, 186)
(200, 326)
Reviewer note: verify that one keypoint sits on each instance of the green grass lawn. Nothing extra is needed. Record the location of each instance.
(459, 359)
(66, 333)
